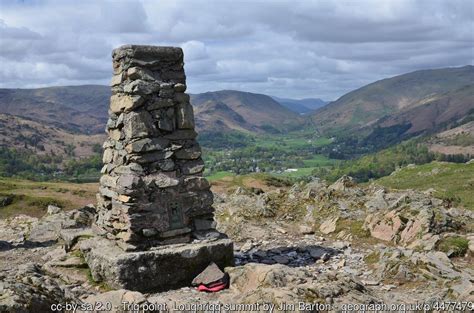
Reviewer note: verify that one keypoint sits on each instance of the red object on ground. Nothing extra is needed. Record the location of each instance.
(213, 287)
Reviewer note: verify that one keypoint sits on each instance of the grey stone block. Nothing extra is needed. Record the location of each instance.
(163, 268)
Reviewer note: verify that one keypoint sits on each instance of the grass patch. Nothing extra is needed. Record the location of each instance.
(219, 175)
(278, 181)
(372, 258)
(458, 245)
(453, 182)
(32, 198)
(31, 205)
(356, 228)
(318, 160)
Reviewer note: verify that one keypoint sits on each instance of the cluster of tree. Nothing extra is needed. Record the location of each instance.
(223, 140)
(349, 146)
(87, 169)
(27, 165)
(14, 163)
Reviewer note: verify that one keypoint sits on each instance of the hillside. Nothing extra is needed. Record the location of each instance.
(301, 106)
(452, 182)
(457, 140)
(24, 134)
(434, 111)
(242, 111)
(415, 98)
(217, 116)
(80, 109)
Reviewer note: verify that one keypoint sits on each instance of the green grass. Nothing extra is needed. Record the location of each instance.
(32, 198)
(354, 227)
(219, 175)
(458, 245)
(31, 205)
(318, 160)
(453, 182)
(372, 258)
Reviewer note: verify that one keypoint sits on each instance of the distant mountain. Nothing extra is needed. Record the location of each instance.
(434, 111)
(301, 106)
(80, 109)
(40, 138)
(74, 108)
(83, 109)
(419, 101)
(217, 116)
(244, 111)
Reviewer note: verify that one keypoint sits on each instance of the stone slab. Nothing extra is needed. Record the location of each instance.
(163, 268)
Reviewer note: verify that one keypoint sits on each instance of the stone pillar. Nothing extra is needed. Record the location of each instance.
(152, 191)
(155, 217)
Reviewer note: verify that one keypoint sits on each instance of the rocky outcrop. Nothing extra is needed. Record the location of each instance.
(276, 262)
(329, 226)
(278, 284)
(28, 289)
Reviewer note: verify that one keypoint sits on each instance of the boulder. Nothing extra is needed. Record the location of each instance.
(384, 226)
(305, 230)
(377, 201)
(329, 226)
(52, 209)
(278, 283)
(29, 289)
(417, 227)
(211, 274)
(117, 300)
(343, 183)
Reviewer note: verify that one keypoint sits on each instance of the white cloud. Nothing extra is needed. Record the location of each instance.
(284, 48)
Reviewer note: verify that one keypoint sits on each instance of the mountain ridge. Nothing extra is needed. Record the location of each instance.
(365, 106)
(260, 112)
(83, 109)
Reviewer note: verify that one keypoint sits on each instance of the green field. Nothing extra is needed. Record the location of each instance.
(453, 182)
(301, 172)
(219, 175)
(317, 161)
(33, 198)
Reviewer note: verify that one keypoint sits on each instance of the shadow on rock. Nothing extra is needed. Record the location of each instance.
(290, 256)
(6, 246)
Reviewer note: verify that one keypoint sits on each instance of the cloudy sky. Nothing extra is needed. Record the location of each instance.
(285, 48)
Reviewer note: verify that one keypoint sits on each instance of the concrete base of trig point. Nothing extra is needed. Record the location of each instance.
(158, 269)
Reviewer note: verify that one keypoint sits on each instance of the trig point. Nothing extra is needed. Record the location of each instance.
(154, 206)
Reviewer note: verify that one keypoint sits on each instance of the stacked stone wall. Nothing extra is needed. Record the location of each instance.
(151, 191)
